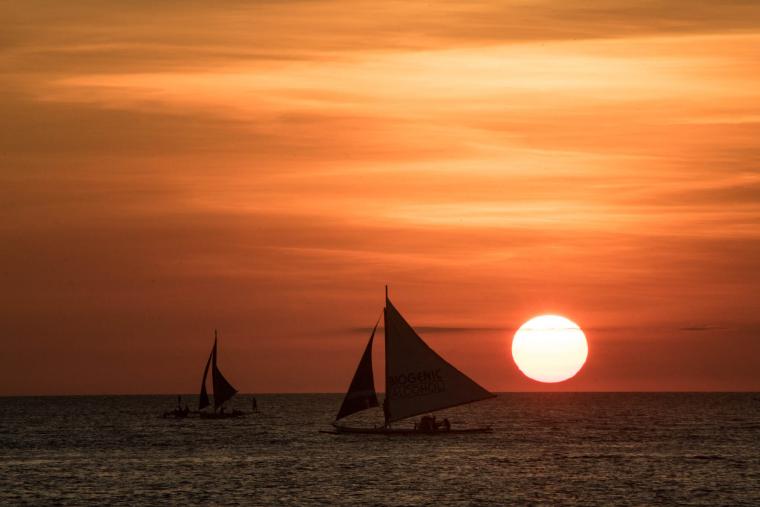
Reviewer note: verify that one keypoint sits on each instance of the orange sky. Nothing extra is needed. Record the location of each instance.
(266, 167)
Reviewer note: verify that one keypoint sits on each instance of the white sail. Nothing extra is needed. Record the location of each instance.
(417, 379)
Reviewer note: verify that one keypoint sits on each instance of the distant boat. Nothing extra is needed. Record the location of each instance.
(179, 412)
(223, 390)
(418, 381)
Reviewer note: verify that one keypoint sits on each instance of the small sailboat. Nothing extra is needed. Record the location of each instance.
(223, 390)
(418, 381)
(179, 412)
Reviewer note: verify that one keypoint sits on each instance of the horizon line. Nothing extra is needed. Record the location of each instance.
(297, 393)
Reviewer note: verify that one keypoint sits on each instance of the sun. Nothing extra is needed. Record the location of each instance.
(549, 348)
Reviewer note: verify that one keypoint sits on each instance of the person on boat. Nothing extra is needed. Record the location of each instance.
(446, 425)
(427, 424)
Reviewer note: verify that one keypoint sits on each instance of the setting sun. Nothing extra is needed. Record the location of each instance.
(549, 348)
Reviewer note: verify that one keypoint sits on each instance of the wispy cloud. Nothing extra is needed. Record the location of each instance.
(268, 167)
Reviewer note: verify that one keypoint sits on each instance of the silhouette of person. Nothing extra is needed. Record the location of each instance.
(427, 424)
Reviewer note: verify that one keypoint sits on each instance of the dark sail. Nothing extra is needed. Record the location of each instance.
(203, 400)
(223, 390)
(361, 394)
(417, 379)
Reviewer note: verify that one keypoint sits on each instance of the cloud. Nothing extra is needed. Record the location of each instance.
(267, 168)
(433, 329)
(701, 328)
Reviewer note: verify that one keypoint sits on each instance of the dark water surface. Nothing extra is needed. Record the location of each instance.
(550, 449)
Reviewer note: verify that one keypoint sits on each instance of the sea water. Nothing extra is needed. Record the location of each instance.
(546, 449)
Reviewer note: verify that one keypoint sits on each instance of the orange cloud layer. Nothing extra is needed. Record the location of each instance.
(267, 169)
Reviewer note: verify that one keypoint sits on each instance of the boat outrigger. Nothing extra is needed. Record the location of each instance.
(223, 391)
(418, 381)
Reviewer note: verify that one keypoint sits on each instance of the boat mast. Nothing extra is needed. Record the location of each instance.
(214, 367)
(203, 400)
(386, 415)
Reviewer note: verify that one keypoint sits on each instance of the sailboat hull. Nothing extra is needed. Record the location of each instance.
(217, 415)
(347, 430)
(176, 414)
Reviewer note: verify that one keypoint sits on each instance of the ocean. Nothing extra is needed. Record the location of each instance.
(546, 449)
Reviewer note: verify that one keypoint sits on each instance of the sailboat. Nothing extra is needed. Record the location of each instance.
(418, 381)
(223, 390)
